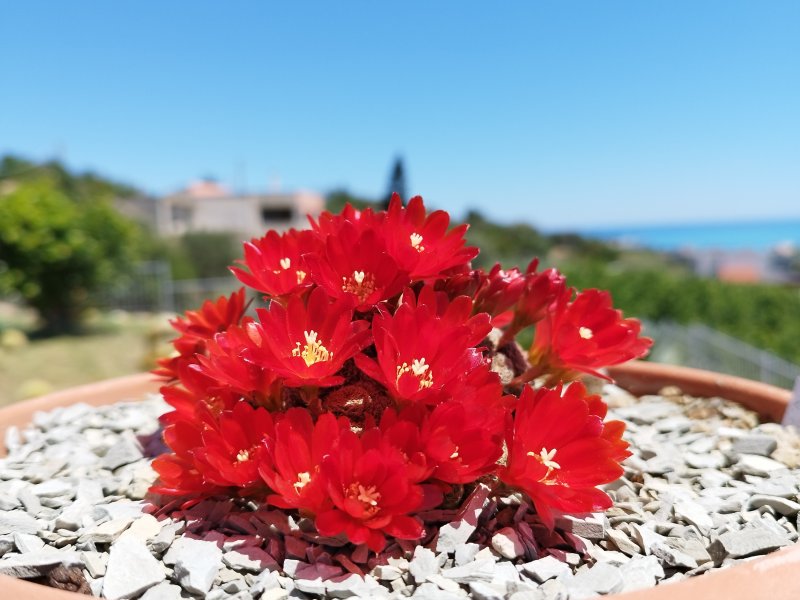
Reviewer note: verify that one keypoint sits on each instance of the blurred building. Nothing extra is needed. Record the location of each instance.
(743, 266)
(209, 206)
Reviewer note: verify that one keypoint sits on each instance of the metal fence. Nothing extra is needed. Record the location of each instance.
(700, 346)
(152, 289)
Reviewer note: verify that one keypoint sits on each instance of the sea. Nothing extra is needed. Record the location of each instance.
(760, 236)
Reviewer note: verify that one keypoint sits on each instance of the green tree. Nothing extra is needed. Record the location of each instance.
(55, 253)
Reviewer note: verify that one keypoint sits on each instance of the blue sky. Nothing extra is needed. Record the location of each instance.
(564, 114)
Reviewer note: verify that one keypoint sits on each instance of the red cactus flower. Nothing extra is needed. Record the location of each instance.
(585, 335)
(426, 347)
(197, 404)
(499, 291)
(329, 224)
(307, 344)
(291, 467)
(275, 263)
(493, 293)
(183, 427)
(463, 437)
(178, 476)
(226, 367)
(231, 452)
(199, 326)
(539, 292)
(403, 432)
(371, 493)
(420, 243)
(558, 451)
(356, 268)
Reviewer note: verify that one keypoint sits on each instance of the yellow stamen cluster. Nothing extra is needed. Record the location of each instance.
(360, 283)
(301, 276)
(313, 352)
(419, 369)
(243, 455)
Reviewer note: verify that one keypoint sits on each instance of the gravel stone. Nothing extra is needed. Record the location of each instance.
(753, 464)
(52, 488)
(251, 559)
(29, 501)
(643, 572)
(6, 544)
(466, 553)
(458, 532)
(507, 543)
(26, 542)
(448, 585)
(275, 594)
(144, 528)
(623, 542)
(780, 505)
(693, 513)
(36, 564)
(542, 569)
(646, 537)
(602, 578)
(487, 591)
(17, 521)
(672, 557)
(197, 563)
(95, 563)
(311, 586)
(163, 591)
(749, 541)
(122, 453)
(162, 541)
(762, 445)
(430, 591)
(592, 527)
(131, 570)
(423, 564)
(477, 570)
(107, 532)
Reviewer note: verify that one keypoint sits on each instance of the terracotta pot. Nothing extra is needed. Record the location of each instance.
(773, 576)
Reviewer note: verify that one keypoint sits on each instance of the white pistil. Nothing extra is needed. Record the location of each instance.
(546, 458)
(419, 369)
(302, 480)
(368, 495)
(586, 333)
(416, 242)
(360, 283)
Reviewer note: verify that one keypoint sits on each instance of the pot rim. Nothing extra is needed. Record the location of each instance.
(773, 576)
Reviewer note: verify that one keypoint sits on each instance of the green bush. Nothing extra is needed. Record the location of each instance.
(55, 252)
